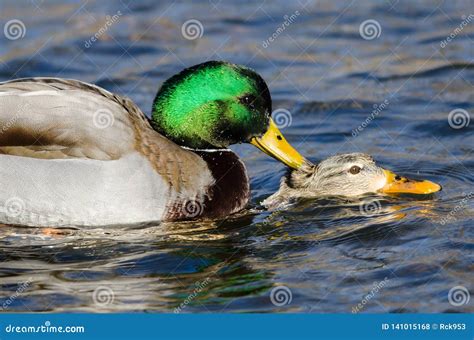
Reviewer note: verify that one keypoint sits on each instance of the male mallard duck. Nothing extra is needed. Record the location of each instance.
(75, 154)
(347, 175)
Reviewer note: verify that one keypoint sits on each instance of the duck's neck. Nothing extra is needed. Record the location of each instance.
(231, 190)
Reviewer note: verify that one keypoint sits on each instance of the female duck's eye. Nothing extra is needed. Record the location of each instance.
(354, 169)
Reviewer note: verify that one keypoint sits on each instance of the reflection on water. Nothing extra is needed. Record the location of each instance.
(329, 252)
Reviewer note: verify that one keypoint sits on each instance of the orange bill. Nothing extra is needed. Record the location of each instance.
(401, 185)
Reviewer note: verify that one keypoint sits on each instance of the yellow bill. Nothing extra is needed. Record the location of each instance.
(274, 144)
(401, 185)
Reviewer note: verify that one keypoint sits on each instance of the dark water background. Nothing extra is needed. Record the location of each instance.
(329, 255)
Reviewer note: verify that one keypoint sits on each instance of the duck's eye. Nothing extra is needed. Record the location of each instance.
(354, 169)
(248, 100)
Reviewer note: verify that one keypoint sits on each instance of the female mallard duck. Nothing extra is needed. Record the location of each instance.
(75, 154)
(347, 175)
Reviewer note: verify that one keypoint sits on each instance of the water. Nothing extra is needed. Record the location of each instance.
(330, 255)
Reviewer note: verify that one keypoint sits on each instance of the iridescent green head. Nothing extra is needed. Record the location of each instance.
(212, 105)
(216, 104)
